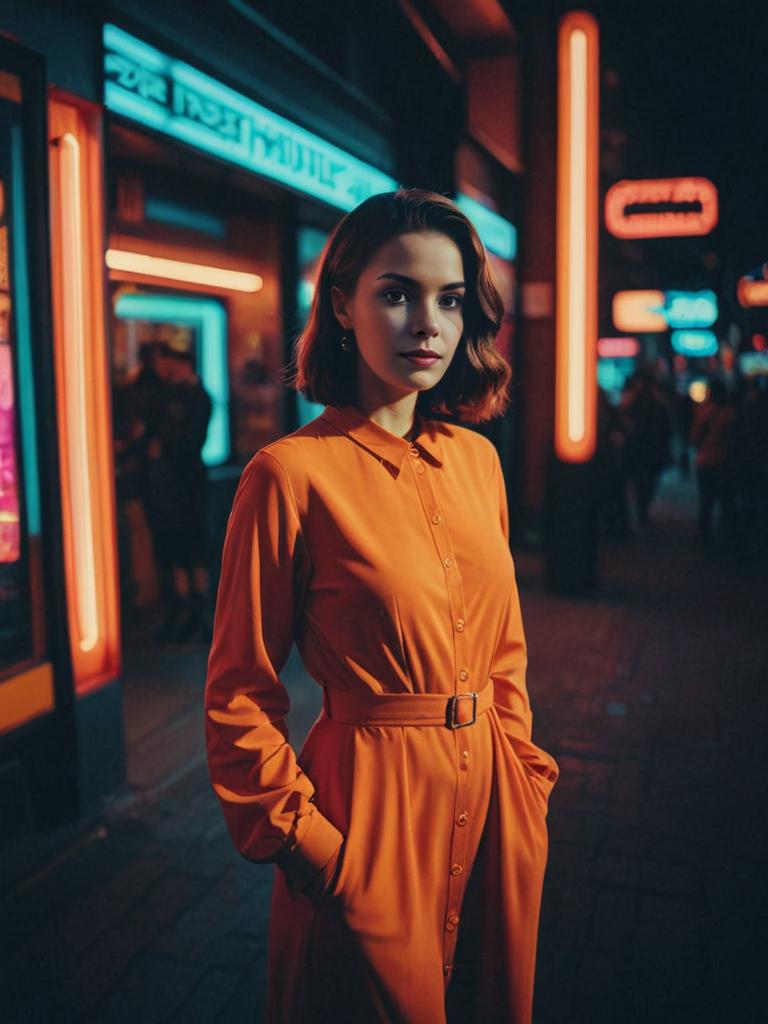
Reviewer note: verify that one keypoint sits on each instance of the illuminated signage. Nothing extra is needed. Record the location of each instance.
(690, 309)
(577, 228)
(754, 364)
(694, 343)
(209, 319)
(179, 270)
(661, 208)
(81, 354)
(618, 348)
(639, 311)
(146, 85)
(496, 233)
(752, 293)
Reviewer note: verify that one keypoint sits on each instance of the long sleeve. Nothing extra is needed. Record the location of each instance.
(509, 666)
(510, 660)
(265, 796)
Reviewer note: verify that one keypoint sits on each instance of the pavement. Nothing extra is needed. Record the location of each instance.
(652, 694)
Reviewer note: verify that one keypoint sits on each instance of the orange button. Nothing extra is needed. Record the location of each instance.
(436, 517)
(448, 562)
(464, 767)
(453, 919)
(460, 625)
(449, 926)
(463, 818)
(463, 675)
(414, 452)
(465, 754)
(419, 467)
(456, 869)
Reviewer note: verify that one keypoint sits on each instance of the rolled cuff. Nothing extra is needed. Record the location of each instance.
(318, 844)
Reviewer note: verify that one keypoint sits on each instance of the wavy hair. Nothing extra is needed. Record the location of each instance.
(475, 386)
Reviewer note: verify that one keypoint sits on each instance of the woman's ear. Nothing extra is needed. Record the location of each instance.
(340, 302)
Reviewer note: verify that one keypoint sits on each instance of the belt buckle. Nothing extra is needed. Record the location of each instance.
(453, 701)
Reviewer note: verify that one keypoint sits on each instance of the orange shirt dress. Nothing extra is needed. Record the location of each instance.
(388, 563)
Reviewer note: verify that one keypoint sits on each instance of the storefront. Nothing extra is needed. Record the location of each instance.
(180, 210)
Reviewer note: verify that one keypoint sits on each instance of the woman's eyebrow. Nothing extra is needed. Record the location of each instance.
(404, 279)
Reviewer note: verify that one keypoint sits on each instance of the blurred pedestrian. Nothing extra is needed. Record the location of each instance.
(647, 421)
(711, 435)
(410, 831)
(177, 492)
(611, 445)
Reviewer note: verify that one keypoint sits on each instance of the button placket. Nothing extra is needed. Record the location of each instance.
(456, 879)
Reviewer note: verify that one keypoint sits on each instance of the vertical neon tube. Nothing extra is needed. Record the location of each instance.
(83, 392)
(74, 317)
(577, 227)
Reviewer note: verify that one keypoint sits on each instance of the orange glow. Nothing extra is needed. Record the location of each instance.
(177, 270)
(752, 293)
(83, 391)
(25, 696)
(639, 311)
(630, 213)
(577, 227)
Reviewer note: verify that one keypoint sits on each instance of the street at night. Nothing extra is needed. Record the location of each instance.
(383, 503)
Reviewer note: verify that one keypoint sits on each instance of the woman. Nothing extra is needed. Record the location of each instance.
(410, 830)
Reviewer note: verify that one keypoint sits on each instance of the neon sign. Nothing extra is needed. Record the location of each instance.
(639, 311)
(752, 293)
(146, 85)
(496, 233)
(694, 343)
(661, 208)
(690, 309)
(577, 224)
(618, 348)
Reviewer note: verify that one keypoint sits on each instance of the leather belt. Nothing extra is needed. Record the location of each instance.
(455, 712)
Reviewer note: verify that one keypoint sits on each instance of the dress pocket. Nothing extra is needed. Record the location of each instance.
(538, 765)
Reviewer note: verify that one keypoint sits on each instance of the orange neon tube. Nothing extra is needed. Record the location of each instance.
(179, 270)
(576, 248)
(83, 392)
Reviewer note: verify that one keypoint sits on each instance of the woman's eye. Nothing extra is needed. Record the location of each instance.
(394, 292)
(455, 301)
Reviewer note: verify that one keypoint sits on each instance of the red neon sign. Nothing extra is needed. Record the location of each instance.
(618, 348)
(661, 208)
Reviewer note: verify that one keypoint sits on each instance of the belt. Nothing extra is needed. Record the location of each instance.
(455, 712)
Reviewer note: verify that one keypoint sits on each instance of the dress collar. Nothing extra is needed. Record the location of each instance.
(380, 442)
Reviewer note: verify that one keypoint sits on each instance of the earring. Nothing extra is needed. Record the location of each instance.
(345, 343)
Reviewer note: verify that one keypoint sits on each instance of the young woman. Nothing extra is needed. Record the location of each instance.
(410, 829)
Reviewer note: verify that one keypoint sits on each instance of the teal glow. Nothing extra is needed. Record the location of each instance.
(166, 94)
(694, 343)
(24, 337)
(210, 320)
(310, 242)
(496, 233)
(690, 309)
(166, 211)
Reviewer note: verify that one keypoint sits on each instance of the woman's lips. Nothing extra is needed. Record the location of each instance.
(420, 360)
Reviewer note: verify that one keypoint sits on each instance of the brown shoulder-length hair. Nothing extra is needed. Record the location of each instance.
(475, 386)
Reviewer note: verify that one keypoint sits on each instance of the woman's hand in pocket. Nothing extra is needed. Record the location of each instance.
(319, 889)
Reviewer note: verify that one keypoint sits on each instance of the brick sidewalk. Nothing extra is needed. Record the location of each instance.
(649, 695)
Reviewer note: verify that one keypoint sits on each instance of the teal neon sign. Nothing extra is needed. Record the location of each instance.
(209, 319)
(689, 309)
(496, 233)
(694, 343)
(146, 85)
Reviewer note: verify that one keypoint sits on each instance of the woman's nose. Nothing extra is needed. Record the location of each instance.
(424, 323)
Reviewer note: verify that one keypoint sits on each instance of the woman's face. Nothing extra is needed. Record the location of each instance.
(406, 313)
